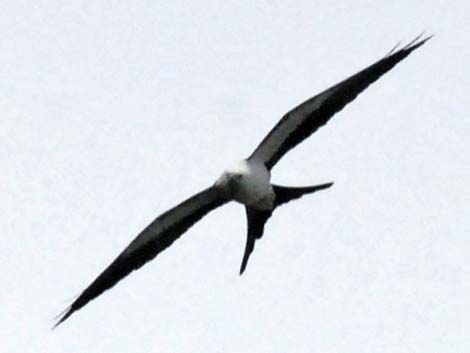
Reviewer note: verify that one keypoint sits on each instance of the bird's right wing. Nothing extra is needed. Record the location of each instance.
(159, 235)
(302, 121)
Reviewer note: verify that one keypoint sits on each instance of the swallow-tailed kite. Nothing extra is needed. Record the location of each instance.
(247, 182)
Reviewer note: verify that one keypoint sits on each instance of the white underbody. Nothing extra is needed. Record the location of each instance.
(248, 182)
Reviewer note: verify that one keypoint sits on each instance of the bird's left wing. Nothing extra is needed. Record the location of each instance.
(305, 119)
(158, 235)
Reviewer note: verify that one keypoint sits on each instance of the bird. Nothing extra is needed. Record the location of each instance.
(246, 182)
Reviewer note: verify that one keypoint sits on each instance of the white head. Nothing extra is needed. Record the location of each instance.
(232, 177)
(244, 177)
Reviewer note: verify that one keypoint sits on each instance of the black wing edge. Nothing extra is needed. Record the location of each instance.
(339, 96)
(126, 263)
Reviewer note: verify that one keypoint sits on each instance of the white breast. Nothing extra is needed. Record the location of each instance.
(252, 187)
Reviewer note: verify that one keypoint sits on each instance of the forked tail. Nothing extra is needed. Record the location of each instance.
(257, 219)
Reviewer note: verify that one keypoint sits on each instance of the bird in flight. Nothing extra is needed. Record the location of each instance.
(247, 182)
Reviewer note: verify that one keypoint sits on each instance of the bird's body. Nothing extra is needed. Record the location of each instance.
(247, 182)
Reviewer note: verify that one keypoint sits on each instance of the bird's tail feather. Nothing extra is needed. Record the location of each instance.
(285, 194)
(257, 219)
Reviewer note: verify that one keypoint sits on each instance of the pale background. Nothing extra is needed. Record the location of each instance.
(111, 112)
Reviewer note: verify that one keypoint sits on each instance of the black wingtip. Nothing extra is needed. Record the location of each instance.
(418, 41)
(412, 45)
(61, 318)
(243, 265)
(64, 315)
(393, 49)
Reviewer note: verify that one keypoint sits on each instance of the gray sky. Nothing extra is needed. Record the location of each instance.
(111, 113)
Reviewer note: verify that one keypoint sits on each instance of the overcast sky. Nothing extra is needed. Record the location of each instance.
(112, 112)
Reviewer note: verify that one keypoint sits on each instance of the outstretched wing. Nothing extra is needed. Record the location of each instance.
(305, 119)
(158, 235)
